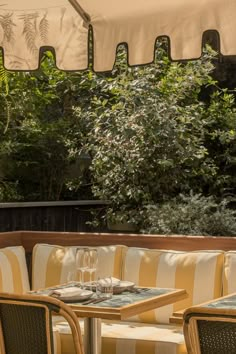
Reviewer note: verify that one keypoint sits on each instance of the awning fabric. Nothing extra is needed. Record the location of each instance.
(28, 25)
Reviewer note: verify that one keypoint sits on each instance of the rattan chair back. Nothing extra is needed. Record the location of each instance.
(26, 324)
(209, 332)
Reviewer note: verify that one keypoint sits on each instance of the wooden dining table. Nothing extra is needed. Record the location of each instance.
(120, 307)
(223, 305)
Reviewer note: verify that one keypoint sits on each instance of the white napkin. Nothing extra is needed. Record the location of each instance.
(69, 293)
(108, 280)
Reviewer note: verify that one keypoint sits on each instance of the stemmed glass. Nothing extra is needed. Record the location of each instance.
(71, 276)
(93, 260)
(82, 262)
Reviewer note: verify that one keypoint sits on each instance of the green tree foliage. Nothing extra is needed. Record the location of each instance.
(41, 140)
(153, 137)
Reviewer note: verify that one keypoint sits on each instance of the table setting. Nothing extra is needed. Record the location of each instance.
(77, 290)
(106, 291)
(91, 292)
(97, 289)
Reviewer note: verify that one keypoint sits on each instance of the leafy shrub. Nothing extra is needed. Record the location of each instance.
(8, 191)
(40, 143)
(153, 137)
(190, 215)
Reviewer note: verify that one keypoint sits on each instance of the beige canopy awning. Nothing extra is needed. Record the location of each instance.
(28, 25)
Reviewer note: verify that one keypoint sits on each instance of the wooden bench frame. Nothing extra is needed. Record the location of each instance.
(176, 242)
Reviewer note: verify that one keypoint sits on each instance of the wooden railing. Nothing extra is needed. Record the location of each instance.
(177, 242)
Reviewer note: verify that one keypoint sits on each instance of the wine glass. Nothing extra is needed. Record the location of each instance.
(71, 277)
(93, 260)
(82, 262)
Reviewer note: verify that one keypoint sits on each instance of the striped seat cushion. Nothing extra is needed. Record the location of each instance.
(13, 270)
(131, 338)
(200, 273)
(51, 264)
(229, 281)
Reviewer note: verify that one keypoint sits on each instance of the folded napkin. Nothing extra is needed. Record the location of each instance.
(109, 280)
(69, 293)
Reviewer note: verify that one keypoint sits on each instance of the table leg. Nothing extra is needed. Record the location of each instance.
(92, 335)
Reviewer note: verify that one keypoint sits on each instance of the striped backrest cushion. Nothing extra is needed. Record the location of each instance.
(200, 273)
(13, 270)
(51, 263)
(229, 280)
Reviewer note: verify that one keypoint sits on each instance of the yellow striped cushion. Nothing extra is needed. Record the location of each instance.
(229, 280)
(200, 273)
(131, 338)
(13, 270)
(51, 264)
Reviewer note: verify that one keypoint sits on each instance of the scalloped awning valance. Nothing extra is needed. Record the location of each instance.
(28, 25)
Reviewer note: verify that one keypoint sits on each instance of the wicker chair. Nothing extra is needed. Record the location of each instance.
(26, 324)
(209, 331)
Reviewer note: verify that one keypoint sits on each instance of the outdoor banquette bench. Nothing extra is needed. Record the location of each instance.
(204, 266)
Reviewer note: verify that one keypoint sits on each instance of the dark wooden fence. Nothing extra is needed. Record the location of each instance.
(51, 216)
